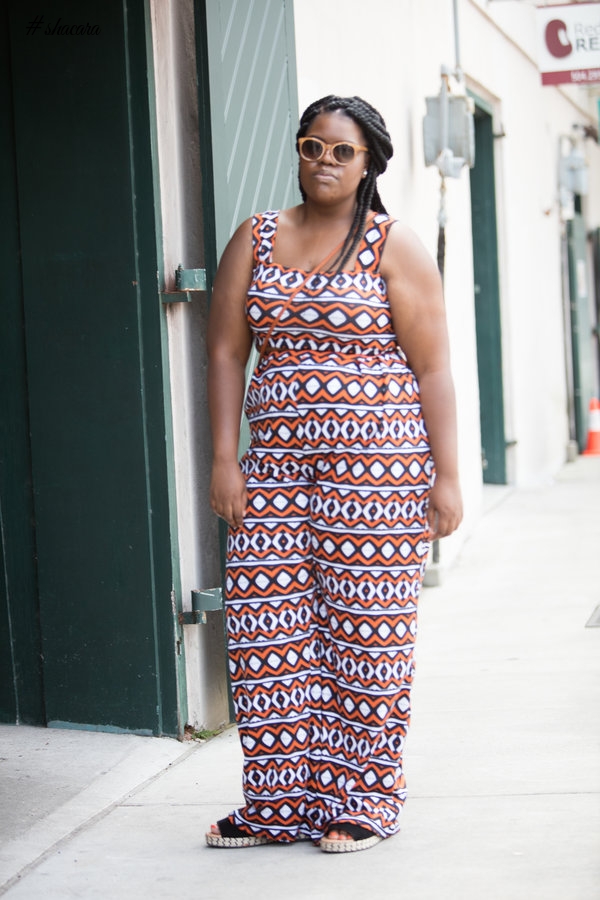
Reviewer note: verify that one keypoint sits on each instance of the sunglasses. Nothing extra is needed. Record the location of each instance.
(313, 149)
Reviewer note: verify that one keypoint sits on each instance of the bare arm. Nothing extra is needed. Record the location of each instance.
(229, 342)
(417, 304)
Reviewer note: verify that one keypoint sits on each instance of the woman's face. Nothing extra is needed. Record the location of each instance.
(325, 180)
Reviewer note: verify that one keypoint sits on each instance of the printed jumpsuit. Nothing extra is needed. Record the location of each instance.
(323, 577)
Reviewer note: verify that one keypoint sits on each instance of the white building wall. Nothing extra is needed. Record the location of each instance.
(390, 52)
(391, 56)
(499, 53)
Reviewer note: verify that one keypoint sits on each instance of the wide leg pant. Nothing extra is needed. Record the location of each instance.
(321, 600)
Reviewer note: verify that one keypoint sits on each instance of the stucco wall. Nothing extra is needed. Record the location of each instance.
(394, 69)
(390, 53)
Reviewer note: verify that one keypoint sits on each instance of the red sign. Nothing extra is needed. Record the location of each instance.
(569, 43)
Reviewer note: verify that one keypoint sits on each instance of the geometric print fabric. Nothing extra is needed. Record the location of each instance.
(324, 575)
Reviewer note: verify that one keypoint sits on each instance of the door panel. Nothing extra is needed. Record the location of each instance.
(253, 107)
(487, 303)
(582, 335)
(249, 105)
(92, 321)
(21, 687)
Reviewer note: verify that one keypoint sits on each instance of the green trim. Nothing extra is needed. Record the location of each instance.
(483, 105)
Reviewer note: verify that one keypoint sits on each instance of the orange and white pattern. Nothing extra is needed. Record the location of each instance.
(323, 578)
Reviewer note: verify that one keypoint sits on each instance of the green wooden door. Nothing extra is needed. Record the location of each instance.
(250, 101)
(487, 303)
(21, 687)
(83, 495)
(248, 104)
(582, 334)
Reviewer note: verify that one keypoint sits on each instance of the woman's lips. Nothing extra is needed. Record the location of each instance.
(326, 175)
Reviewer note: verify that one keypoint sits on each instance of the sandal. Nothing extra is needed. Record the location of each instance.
(231, 836)
(362, 839)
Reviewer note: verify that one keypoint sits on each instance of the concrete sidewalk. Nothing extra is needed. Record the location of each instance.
(503, 758)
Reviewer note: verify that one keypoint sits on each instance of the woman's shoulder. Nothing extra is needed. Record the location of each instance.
(257, 225)
(401, 234)
(381, 222)
(266, 215)
(267, 224)
(405, 251)
(257, 219)
(381, 217)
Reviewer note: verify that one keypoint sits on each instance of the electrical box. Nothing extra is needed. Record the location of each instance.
(573, 173)
(448, 126)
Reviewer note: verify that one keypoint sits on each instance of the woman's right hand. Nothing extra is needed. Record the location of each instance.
(228, 494)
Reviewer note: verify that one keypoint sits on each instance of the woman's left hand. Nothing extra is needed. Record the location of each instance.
(445, 507)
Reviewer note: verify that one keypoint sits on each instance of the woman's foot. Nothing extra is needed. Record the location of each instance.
(226, 834)
(348, 838)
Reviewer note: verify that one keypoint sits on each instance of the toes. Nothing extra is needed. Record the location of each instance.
(338, 835)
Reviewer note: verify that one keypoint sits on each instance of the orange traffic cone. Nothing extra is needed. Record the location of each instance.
(593, 441)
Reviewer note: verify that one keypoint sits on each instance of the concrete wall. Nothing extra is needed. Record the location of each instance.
(390, 53)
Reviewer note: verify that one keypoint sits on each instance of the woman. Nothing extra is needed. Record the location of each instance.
(334, 504)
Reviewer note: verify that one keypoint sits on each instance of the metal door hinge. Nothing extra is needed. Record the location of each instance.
(187, 283)
(190, 279)
(203, 601)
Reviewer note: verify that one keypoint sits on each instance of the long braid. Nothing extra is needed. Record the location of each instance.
(380, 147)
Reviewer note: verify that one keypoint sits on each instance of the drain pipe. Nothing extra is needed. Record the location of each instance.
(457, 68)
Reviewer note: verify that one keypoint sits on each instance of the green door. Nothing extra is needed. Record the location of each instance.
(248, 104)
(21, 689)
(249, 99)
(86, 596)
(582, 334)
(487, 303)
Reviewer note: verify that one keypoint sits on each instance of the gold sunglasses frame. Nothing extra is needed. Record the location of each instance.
(326, 147)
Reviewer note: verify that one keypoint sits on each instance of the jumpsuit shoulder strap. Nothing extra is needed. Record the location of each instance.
(264, 229)
(373, 242)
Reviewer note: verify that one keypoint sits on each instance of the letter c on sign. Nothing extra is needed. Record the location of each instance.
(557, 41)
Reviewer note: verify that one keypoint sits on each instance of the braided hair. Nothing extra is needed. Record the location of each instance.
(380, 147)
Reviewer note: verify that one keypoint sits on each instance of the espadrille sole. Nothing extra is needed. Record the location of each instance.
(328, 845)
(217, 840)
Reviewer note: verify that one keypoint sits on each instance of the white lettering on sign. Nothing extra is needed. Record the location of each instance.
(569, 43)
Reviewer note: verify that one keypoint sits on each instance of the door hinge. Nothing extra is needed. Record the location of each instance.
(203, 601)
(187, 283)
